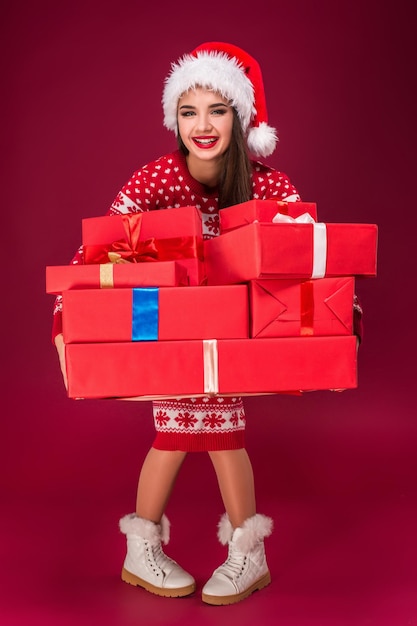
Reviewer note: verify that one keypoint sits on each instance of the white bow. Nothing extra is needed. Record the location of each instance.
(319, 240)
(305, 218)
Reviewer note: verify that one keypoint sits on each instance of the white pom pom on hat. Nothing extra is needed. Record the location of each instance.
(234, 74)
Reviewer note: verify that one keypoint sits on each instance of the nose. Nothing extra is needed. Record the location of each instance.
(203, 122)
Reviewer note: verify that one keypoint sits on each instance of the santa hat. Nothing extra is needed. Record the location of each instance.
(234, 74)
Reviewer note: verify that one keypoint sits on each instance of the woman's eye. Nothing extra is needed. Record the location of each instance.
(219, 111)
(187, 113)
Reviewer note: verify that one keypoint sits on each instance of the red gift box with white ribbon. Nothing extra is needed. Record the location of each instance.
(145, 370)
(262, 211)
(291, 250)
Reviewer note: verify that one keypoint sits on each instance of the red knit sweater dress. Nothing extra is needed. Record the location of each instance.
(193, 424)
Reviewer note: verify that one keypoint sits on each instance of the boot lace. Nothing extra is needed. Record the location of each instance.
(235, 564)
(157, 558)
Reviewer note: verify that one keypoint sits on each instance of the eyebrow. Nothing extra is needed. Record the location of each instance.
(211, 106)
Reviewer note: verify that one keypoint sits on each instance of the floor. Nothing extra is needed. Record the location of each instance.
(336, 560)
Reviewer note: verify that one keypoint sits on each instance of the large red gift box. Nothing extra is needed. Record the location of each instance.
(114, 315)
(59, 278)
(287, 308)
(291, 250)
(262, 211)
(224, 367)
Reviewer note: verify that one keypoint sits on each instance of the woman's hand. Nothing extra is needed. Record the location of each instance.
(60, 346)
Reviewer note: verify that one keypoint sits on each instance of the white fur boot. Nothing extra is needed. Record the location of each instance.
(146, 565)
(245, 569)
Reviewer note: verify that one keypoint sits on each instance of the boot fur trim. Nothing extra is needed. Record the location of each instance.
(224, 530)
(253, 530)
(133, 525)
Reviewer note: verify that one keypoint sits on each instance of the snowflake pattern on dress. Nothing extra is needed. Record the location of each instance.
(197, 415)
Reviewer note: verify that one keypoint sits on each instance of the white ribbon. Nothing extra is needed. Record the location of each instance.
(305, 218)
(319, 240)
(211, 366)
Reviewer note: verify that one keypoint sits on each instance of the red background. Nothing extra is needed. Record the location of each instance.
(81, 98)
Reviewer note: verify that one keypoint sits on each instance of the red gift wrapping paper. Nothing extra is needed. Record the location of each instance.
(287, 308)
(162, 224)
(195, 269)
(262, 211)
(95, 315)
(60, 278)
(262, 250)
(165, 235)
(145, 370)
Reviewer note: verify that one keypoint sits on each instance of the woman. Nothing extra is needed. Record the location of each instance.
(214, 101)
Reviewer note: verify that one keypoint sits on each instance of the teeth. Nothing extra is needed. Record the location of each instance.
(205, 141)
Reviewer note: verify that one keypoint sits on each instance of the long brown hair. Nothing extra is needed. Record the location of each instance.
(235, 185)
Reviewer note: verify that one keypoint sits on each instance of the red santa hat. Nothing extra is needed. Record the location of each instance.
(234, 74)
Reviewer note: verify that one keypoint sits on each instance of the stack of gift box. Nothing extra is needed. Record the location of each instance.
(266, 307)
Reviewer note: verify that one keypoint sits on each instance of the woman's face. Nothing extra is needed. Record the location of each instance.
(205, 121)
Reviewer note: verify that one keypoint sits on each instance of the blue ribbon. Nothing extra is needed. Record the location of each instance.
(145, 314)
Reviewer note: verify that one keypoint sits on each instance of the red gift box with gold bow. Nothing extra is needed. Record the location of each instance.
(165, 235)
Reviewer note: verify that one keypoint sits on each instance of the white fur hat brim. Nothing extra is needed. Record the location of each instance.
(210, 70)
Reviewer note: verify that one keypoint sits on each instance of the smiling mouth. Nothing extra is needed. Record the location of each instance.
(205, 142)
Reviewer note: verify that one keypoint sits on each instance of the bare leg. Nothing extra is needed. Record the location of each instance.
(236, 483)
(156, 481)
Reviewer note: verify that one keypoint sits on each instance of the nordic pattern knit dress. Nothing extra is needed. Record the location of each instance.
(193, 424)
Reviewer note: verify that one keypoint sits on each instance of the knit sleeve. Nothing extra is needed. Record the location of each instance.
(78, 259)
(140, 193)
(284, 189)
(275, 185)
(357, 318)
